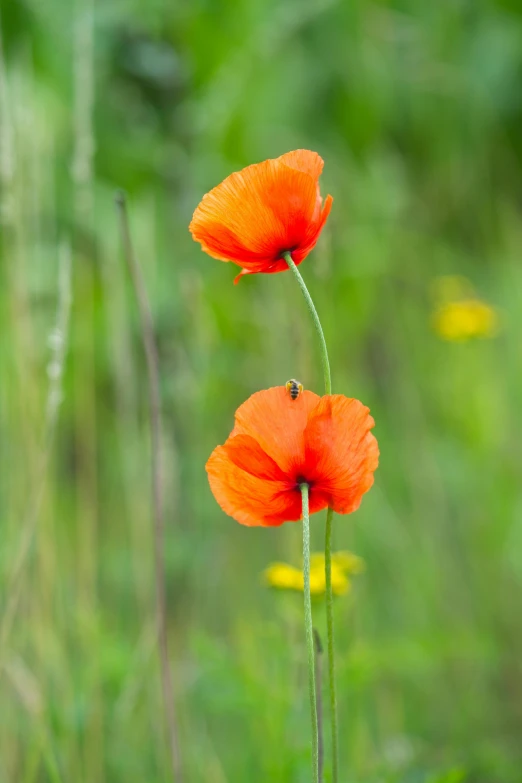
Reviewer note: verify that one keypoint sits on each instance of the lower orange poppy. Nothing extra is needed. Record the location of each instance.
(279, 443)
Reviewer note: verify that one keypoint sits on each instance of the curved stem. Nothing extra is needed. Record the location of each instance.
(317, 322)
(310, 633)
(328, 534)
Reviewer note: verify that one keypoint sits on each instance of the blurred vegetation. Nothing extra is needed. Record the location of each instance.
(416, 108)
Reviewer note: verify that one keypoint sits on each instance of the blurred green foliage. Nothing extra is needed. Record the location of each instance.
(416, 108)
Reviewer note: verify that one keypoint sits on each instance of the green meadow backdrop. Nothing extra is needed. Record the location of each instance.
(416, 108)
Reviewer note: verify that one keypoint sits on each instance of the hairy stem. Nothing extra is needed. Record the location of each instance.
(310, 633)
(319, 697)
(330, 644)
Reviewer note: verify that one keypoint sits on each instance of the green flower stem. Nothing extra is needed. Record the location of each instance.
(310, 633)
(330, 643)
(328, 533)
(317, 322)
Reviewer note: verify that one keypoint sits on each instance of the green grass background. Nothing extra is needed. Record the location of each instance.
(416, 108)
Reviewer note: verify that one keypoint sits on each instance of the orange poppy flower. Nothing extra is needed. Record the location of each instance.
(278, 443)
(267, 209)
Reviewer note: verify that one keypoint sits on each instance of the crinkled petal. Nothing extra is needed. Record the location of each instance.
(256, 214)
(341, 454)
(314, 230)
(249, 486)
(278, 423)
(246, 453)
(304, 160)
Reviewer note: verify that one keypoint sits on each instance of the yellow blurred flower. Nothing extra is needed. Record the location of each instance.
(347, 561)
(344, 564)
(464, 319)
(284, 576)
(340, 582)
(459, 314)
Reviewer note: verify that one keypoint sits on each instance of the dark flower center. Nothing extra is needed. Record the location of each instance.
(287, 250)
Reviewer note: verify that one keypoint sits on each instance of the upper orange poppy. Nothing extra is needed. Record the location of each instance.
(267, 209)
(278, 443)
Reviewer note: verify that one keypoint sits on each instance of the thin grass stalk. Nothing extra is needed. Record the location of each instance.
(59, 343)
(153, 386)
(85, 375)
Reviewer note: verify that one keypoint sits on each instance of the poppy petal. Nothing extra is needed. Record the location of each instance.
(278, 424)
(304, 160)
(341, 453)
(255, 214)
(243, 272)
(258, 213)
(309, 242)
(313, 233)
(249, 486)
(246, 453)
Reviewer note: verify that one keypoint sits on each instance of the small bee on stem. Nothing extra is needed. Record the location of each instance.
(294, 388)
